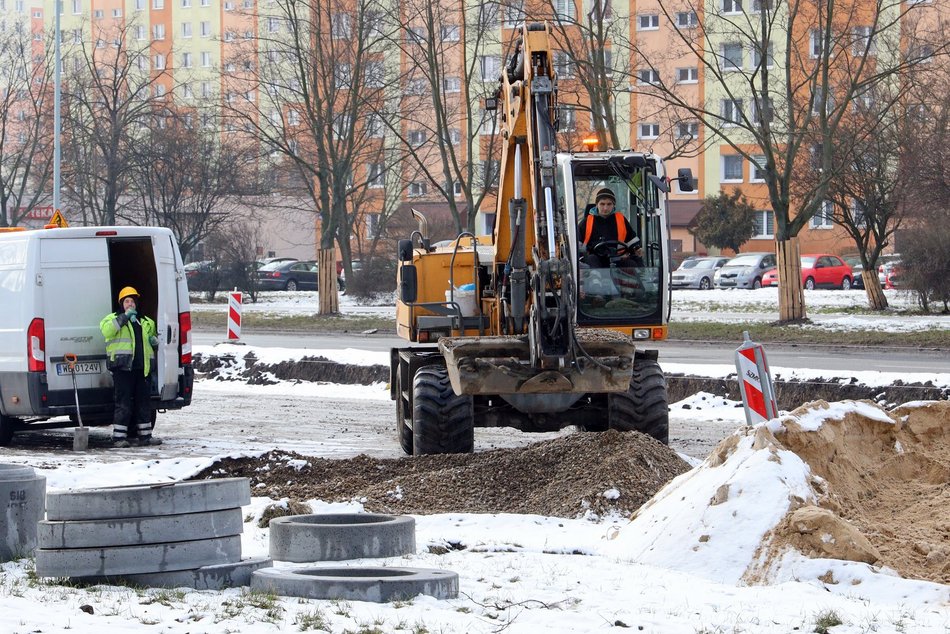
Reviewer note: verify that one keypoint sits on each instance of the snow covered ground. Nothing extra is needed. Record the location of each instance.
(677, 568)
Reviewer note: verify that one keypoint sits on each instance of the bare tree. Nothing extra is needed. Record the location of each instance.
(450, 71)
(186, 179)
(111, 91)
(306, 90)
(782, 77)
(26, 139)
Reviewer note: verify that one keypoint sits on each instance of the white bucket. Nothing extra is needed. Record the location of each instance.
(465, 300)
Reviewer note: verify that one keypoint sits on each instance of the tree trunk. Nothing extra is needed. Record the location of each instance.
(791, 298)
(329, 298)
(872, 286)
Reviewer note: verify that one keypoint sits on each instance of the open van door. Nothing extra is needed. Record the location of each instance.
(170, 276)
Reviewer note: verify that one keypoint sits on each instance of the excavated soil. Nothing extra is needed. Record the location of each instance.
(886, 491)
(569, 476)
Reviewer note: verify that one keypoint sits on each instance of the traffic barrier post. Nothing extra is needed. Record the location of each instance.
(755, 382)
(234, 315)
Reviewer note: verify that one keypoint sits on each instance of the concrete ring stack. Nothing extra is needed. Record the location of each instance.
(182, 534)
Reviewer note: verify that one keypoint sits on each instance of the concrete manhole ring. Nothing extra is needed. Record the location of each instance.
(23, 493)
(145, 500)
(340, 536)
(216, 577)
(359, 583)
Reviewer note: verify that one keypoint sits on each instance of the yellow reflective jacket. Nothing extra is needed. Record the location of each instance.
(120, 341)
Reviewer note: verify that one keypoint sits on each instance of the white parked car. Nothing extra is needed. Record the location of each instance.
(697, 272)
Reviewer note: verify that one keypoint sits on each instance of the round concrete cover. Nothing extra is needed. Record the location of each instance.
(139, 530)
(170, 498)
(128, 560)
(378, 585)
(24, 498)
(216, 577)
(340, 536)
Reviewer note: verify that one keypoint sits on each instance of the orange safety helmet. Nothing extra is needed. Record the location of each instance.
(128, 291)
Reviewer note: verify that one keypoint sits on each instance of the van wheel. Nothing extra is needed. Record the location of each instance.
(7, 426)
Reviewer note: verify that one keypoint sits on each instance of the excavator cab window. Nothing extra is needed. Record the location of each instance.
(617, 282)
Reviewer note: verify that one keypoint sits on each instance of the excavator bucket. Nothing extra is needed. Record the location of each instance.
(603, 362)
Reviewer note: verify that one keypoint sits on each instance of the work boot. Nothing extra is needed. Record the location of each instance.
(120, 443)
(145, 441)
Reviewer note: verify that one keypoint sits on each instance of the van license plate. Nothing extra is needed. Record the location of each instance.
(82, 367)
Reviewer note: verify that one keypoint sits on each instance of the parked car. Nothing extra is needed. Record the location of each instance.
(207, 275)
(818, 270)
(854, 261)
(745, 270)
(288, 275)
(889, 270)
(697, 272)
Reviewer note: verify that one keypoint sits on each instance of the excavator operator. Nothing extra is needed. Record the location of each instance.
(608, 236)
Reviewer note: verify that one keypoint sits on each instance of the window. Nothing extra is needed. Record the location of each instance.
(488, 15)
(375, 74)
(514, 13)
(563, 65)
(97, 13)
(452, 84)
(863, 100)
(490, 67)
(205, 3)
(340, 28)
(228, 36)
(375, 126)
(687, 130)
(186, 91)
(186, 29)
(820, 102)
(814, 42)
(293, 117)
(160, 90)
(455, 136)
(648, 130)
(205, 28)
(158, 62)
(762, 108)
(117, 13)
(647, 76)
(186, 60)
(648, 22)
(206, 89)
(488, 123)
(564, 9)
(205, 59)
(687, 75)
(372, 225)
(450, 33)
(342, 75)
(229, 6)
(731, 111)
(417, 188)
(756, 57)
(273, 25)
(158, 32)
(863, 41)
(376, 175)
(417, 137)
(139, 5)
(687, 19)
(758, 5)
(824, 217)
(764, 224)
(158, 4)
(731, 168)
(732, 6)
(416, 87)
(185, 4)
(77, 35)
(416, 34)
(731, 56)
(566, 118)
(248, 4)
(757, 169)
(139, 32)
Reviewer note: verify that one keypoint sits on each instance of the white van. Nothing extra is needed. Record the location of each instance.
(56, 285)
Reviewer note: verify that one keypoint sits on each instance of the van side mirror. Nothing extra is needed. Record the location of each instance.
(685, 177)
(408, 283)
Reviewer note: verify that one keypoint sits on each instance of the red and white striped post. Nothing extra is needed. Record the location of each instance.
(234, 315)
(755, 382)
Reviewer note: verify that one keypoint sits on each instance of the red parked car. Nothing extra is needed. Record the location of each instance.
(818, 270)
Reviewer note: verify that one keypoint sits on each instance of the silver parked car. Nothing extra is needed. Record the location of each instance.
(697, 273)
(745, 270)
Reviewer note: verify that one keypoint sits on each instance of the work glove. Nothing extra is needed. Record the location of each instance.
(153, 340)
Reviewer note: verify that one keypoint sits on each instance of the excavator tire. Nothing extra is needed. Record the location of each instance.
(442, 421)
(644, 407)
(403, 415)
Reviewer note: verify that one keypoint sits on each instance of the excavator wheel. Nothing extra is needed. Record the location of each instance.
(643, 407)
(442, 421)
(403, 417)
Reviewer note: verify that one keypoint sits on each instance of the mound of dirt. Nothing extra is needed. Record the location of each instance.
(886, 496)
(568, 476)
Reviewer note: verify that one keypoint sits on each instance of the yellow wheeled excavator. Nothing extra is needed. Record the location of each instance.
(528, 327)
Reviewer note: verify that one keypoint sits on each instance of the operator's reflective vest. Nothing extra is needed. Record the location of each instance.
(621, 228)
(120, 342)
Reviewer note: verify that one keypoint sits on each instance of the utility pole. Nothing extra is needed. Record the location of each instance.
(57, 97)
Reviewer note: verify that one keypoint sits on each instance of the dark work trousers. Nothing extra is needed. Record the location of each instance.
(132, 405)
